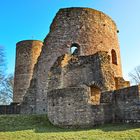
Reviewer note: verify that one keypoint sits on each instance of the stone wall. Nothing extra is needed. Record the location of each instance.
(107, 97)
(121, 83)
(82, 70)
(28, 105)
(127, 104)
(70, 107)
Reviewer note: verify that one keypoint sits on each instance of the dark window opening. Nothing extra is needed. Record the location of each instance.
(95, 95)
(74, 49)
(114, 57)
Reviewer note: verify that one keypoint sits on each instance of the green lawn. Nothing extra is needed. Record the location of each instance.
(37, 127)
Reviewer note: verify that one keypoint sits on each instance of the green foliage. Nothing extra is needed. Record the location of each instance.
(37, 127)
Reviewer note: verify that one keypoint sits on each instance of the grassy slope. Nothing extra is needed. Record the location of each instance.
(35, 127)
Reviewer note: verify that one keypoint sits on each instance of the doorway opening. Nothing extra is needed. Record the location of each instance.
(95, 95)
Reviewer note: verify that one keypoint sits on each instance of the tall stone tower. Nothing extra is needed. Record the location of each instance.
(27, 53)
(90, 31)
(84, 29)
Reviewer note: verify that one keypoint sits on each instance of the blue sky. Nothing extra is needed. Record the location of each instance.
(30, 19)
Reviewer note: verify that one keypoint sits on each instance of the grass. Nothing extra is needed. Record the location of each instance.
(37, 127)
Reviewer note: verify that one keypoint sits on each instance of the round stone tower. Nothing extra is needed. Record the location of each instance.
(27, 53)
(89, 31)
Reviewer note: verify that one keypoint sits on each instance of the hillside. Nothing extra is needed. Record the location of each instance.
(37, 127)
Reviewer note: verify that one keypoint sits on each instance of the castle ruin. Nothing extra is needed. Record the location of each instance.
(75, 75)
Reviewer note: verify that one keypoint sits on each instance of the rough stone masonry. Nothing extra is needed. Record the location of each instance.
(75, 75)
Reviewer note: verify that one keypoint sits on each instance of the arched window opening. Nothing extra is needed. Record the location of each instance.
(74, 49)
(95, 95)
(114, 57)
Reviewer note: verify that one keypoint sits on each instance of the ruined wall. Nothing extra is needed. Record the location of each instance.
(27, 53)
(76, 71)
(127, 104)
(91, 30)
(69, 107)
(121, 83)
(70, 99)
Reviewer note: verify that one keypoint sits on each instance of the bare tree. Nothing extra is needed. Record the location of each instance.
(6, 81)
(135, 75)
(2, 64)
(6, 93)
